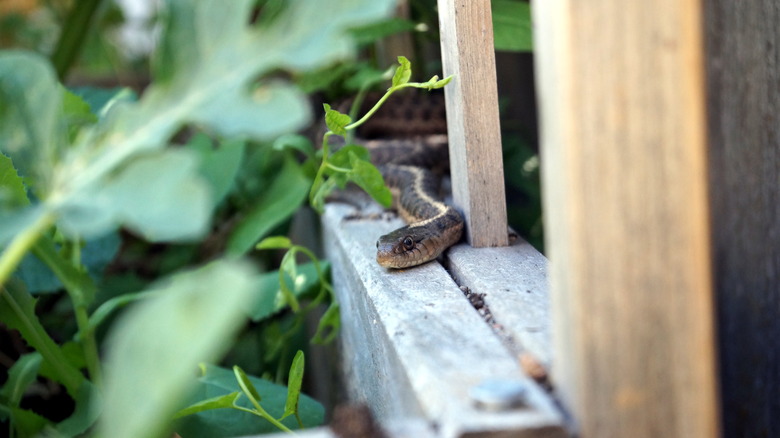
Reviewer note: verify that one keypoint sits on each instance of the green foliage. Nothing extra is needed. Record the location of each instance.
(77, 165)
(512, 27)
(155, 346)
(350, 164)
(226, 405)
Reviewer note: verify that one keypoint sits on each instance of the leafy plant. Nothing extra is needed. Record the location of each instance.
(71, 173)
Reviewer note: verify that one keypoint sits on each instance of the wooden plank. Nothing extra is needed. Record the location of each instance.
(514, 282)
(472, 119)
(413, 346)
(743, 77)
(621, 92)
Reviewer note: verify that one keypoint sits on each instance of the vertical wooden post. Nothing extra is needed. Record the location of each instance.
(621, 92)
(743, 79)
(476, 163)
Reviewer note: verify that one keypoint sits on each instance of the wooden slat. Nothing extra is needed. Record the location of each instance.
(413, 346)
(621, 91)
(743, 78)
(472, 119)
(513, 280)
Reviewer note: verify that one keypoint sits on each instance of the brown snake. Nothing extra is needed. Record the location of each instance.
(406, 162)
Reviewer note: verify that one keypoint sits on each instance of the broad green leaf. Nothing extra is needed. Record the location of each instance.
(31, 125)
(218, 381)
(294, 382)
(403, 72)
(512, 28)
(159, 195)
(370, 179)
(274, 242)
(76, 111)
(21, 374)
(100, 99)
(12, 190)
(17, 311)
(218, 165)
(329, 325)
(206, 71)
(269, 299)
(14, 222)
(218, 402)
(155, 346)
(336, 121)
(281, 200)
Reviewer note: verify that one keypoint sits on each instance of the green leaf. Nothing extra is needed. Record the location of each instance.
(218, 402)
(288, 268)
(294, 141)
(100, 99)
(17, 311)
(275, 242)
(280, 201)
(403, 72)
(31, 128)
(269, 299)
(294, 382)
(88, 407)
(218, 381)
(76, 111)
(159, 195)
(21, 374)
(374, 32)
(336, 121)
(219, 166)
(368, 177)
(27, 423)
(329, 325)
(512, 28)
(12, 190)
(246, 384)
(154, 346)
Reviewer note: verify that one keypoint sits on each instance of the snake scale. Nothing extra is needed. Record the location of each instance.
(408, 144)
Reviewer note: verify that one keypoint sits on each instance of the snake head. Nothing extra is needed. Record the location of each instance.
(401, 249)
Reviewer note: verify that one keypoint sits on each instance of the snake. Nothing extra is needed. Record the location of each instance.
(410, 152)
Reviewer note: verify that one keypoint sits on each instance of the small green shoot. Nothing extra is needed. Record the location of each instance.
(335, 170)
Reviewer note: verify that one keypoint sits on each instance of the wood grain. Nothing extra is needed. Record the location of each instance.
(743, 76)
(413, 346)
(621, 92)
(472, 119)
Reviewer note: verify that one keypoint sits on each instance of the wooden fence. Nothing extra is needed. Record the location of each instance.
(660, 129)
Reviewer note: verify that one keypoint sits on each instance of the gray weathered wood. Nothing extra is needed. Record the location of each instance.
(412, 344)
(472, 116)
(743, 78)
(621, 92)
(514, 281)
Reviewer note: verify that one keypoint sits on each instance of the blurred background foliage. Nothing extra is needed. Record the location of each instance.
(101, 48)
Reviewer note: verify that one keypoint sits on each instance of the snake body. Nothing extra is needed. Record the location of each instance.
(408, 143)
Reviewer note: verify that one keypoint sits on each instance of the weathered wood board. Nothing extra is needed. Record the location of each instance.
(624, 168)
(413, 346)
(514, 282)
(473, 126)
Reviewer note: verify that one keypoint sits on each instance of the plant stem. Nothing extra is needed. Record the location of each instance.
(72, 37)
(263, 414)
(21, 244)
(89, 345)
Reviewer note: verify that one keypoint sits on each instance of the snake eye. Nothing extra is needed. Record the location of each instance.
(408, 243)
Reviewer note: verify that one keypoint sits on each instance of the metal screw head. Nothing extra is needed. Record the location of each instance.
(498, 394)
